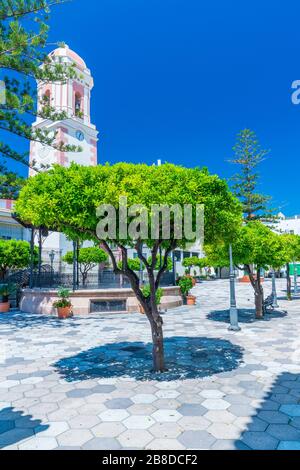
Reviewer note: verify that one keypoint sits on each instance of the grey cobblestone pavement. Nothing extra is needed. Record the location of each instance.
(85, 383)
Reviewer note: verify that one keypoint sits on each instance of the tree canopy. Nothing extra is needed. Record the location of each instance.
(248, 154)
(14, 254)
(88, 259)
(68, 200)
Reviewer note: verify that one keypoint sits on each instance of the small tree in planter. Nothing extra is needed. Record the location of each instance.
(5, 291)
(63, 304)
(186, 284)
(88, 259)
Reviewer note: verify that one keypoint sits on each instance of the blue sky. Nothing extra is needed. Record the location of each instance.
(177, 79)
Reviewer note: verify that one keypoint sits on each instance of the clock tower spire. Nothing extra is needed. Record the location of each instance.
(73, 97)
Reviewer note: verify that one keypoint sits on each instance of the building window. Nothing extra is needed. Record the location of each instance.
(78, 105)
(177, 255)
(186, 254)
(195, 255)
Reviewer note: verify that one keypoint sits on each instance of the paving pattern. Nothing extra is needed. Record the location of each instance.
(86, 383)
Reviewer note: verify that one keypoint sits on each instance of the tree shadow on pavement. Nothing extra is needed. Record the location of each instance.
(276, 424)
(186, 358)
(15, 427)
(245, 316)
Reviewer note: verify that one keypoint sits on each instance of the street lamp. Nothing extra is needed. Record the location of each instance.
(52, 256)
(295, 279)
(274, 293)
(234, 325)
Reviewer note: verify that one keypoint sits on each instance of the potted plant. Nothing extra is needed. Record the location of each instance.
(63, 304)
(146, 293)
(186, 284)
(5, 291)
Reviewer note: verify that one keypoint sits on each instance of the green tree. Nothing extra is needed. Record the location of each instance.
(14, 254)
(133, 263)
(255, 248)
(248, 154)
(88, 259)
(66, 199)
(292, 247)
(195, 262)
(23, 40)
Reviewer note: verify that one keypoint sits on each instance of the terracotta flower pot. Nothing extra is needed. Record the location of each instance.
(4, 307)
(64, 312)
(246, 279)
(191, 300)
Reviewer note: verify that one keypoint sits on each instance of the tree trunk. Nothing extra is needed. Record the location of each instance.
(288, 283)
(259, 296)
(258, 290)
(158, 345)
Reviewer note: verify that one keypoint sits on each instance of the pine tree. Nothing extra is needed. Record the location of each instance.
(249, 154)
(23, 41)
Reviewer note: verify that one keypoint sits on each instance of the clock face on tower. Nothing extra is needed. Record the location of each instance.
(80, 136)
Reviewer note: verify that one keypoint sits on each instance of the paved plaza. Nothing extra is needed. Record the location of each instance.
(86, 383)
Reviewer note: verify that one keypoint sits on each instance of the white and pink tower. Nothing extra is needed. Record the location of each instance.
(73, 97)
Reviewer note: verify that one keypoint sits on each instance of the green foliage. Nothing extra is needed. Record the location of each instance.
(14, 254)
(256, 244)
(159, 262)
(292, 247)
(249, 154)
(63, 300)
(90, 256)
(23, 39)
(185, 284)
(67, 198)
(133, 263)
(146, 290)
(88, 259)
(6, 290)
(196, 262)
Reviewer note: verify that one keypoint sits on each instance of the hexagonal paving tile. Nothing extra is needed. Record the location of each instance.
(113, 415)
(118, 403)
(215, 404)
(39, 443)
(139, 422)
(192, 410)
(74, 437)
(108, 429)
(166, 416)
(143, 398)
(224, 431)
(83, 422)
(166, 430)
(196, 440)
(102, 443)
(259, 441)
(132, 438)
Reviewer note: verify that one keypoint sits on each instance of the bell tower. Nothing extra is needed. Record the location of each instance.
(74, 98)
